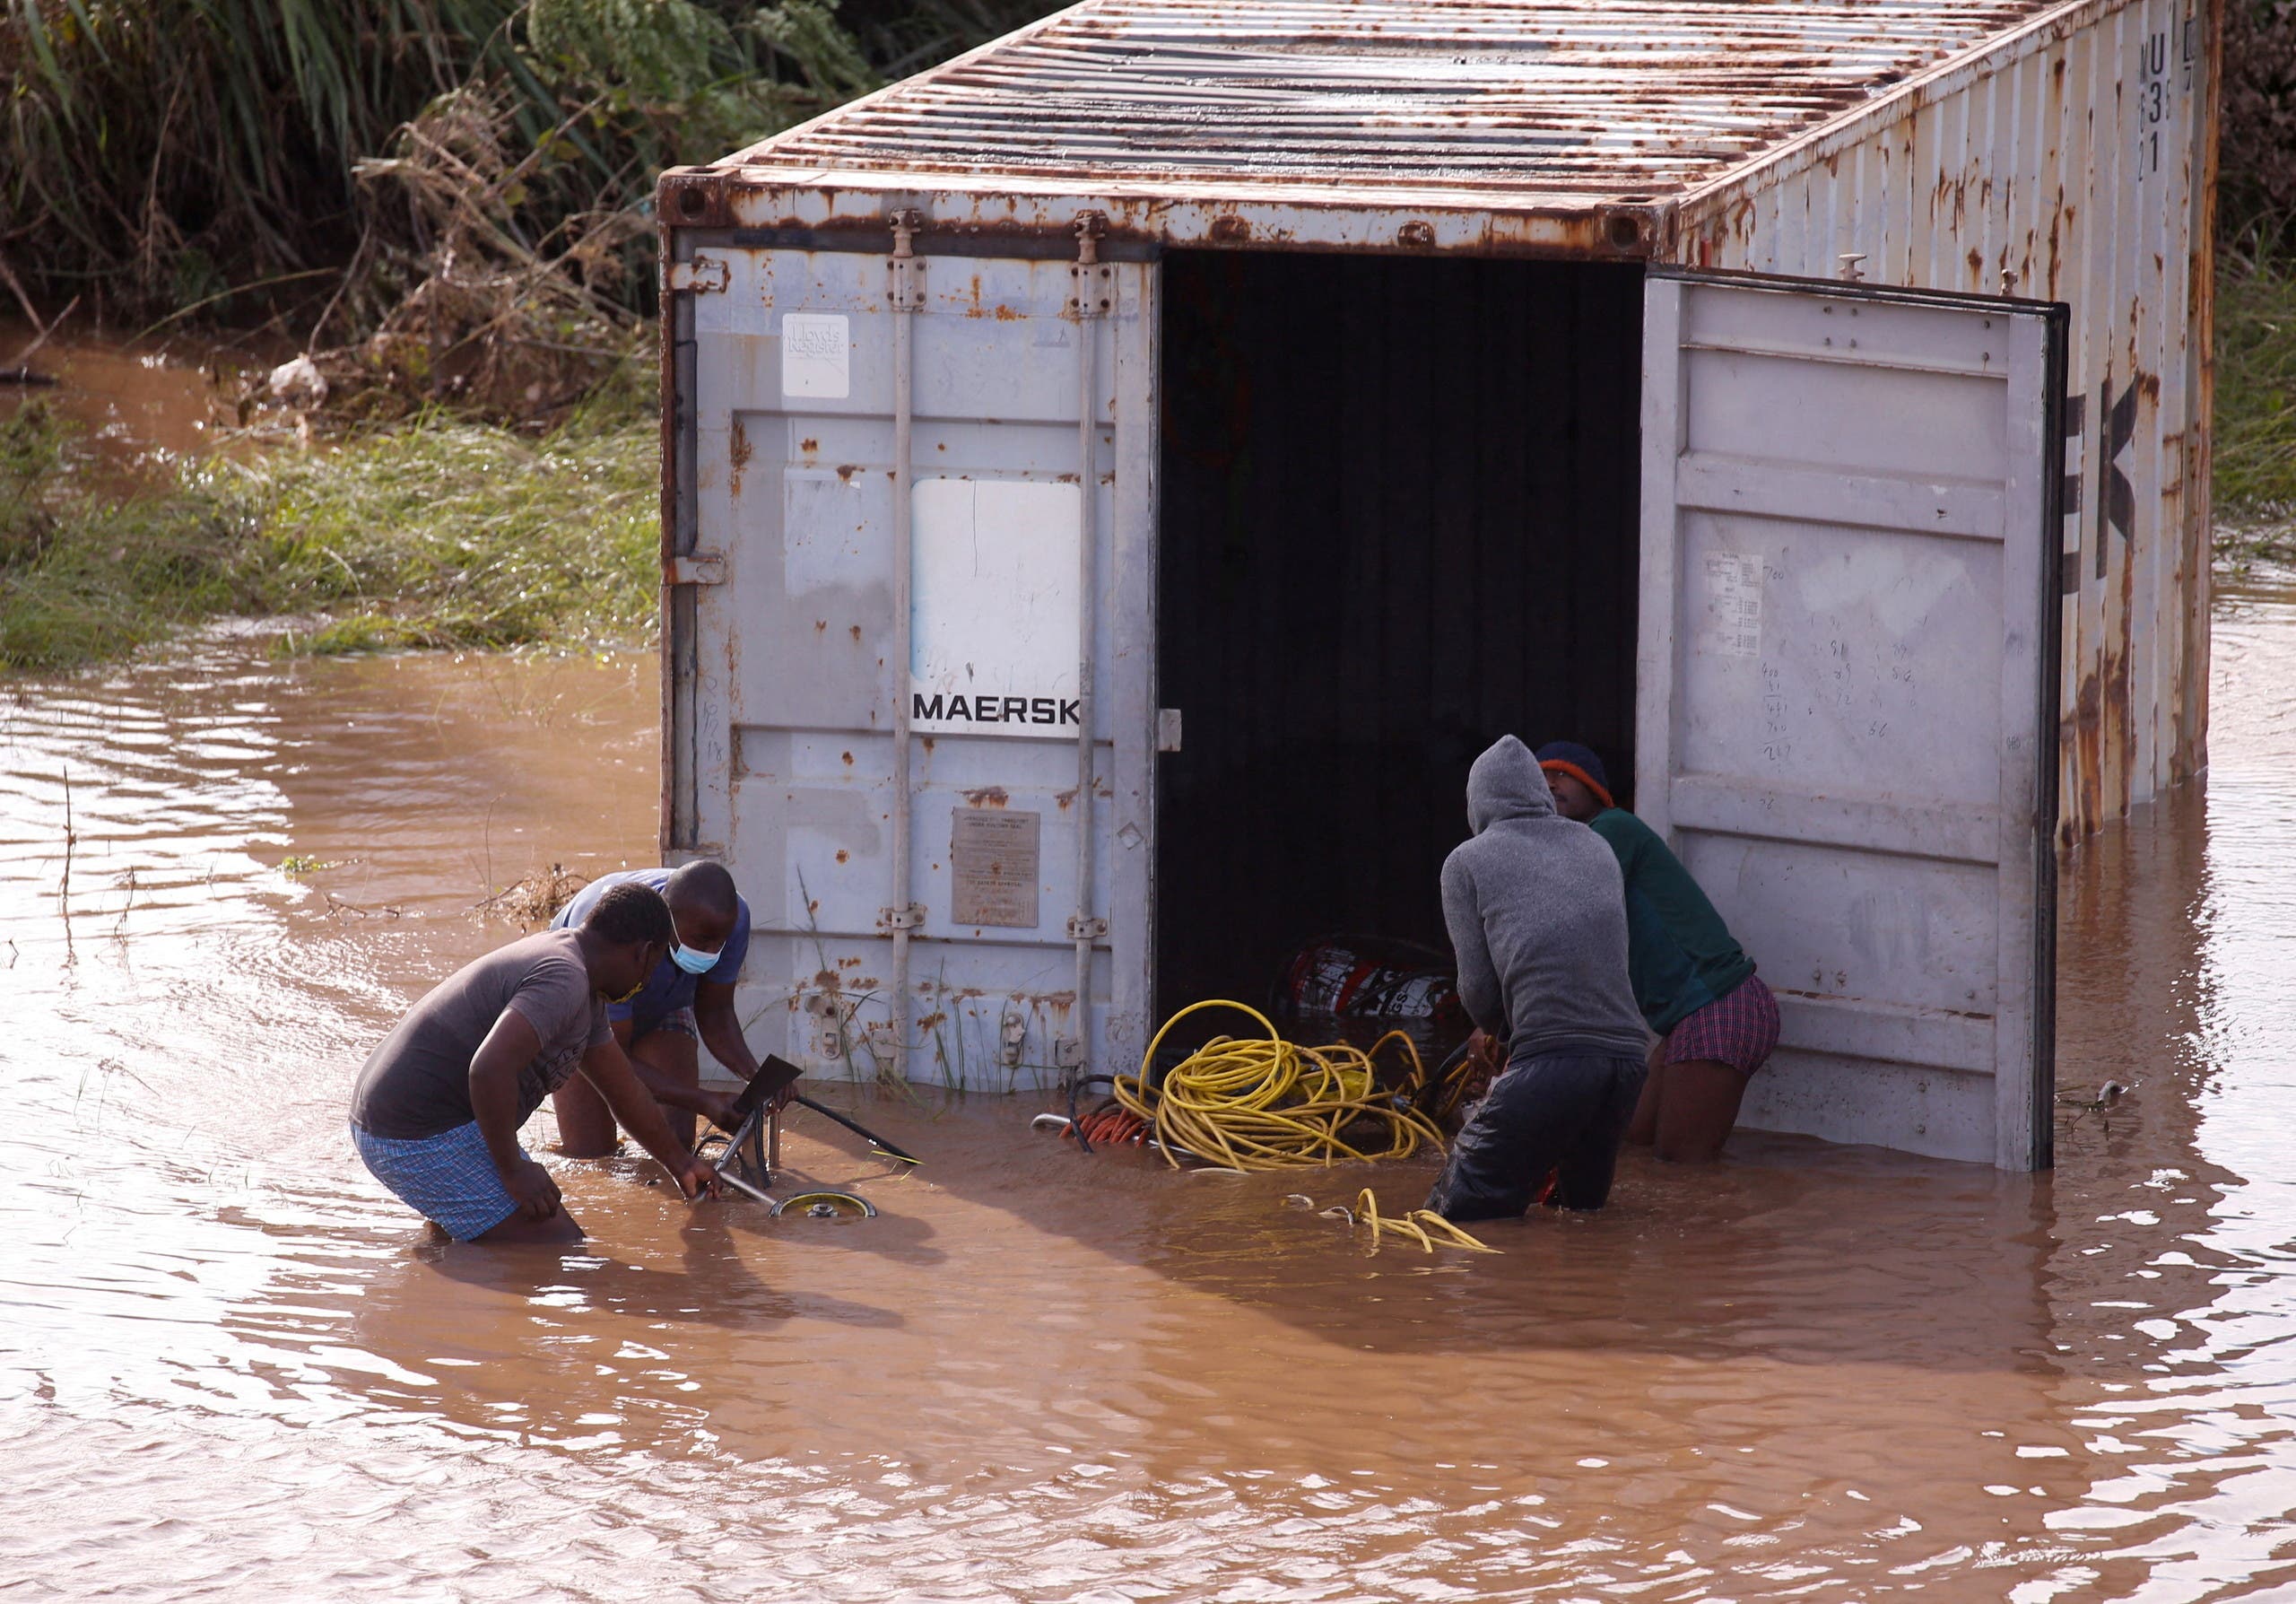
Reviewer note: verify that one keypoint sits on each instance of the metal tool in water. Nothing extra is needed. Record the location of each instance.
(750, 1139)
(750, 1136)
(856, 1127)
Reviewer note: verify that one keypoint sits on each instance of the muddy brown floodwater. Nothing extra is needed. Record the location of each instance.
(230, 1367)
(134, 403)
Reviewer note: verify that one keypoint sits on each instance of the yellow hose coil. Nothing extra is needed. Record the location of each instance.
(1269, 1103)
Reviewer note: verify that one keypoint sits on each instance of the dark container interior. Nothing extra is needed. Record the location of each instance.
(1398, 518)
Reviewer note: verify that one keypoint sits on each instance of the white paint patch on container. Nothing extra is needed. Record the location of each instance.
(994, 598)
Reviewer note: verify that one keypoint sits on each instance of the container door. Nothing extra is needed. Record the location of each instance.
(1847, 720)
(787, 666)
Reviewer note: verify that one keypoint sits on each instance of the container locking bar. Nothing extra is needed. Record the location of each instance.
(1091, 292)
(906, 293)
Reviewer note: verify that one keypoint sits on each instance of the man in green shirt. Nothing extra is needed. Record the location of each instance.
(1716, 1021)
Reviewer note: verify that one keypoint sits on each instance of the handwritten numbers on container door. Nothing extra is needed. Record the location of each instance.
(2152, 101)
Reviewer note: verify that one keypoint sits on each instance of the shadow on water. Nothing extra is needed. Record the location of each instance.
(1784, 1266)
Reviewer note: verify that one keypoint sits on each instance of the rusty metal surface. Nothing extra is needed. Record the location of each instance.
(787, 659)
(847, 211)
(2074, 161)
(1505, 98)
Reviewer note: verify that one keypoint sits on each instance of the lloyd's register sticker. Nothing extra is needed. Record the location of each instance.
(816, 356)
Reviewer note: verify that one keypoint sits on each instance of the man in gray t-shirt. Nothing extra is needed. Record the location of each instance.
(436, 1111)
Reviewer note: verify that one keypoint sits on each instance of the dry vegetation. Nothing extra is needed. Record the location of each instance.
(534, 901)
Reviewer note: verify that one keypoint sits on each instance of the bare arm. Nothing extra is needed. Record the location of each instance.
(721, 1028)
(510, 1047)
(610, 1070)
(711, 1106)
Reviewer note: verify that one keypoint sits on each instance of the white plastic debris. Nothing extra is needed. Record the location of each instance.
(299, 383)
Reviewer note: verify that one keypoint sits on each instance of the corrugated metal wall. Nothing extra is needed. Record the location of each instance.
(2075, 162)
(1398, 518)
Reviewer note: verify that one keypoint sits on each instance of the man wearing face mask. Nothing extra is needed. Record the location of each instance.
(436, 1111)
(686, 1004)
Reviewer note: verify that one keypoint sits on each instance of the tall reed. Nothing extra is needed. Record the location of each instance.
(160, 155)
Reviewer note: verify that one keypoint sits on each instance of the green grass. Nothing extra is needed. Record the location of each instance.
(457, 535)
(437, 534)
(86, 576)
(2256, 412)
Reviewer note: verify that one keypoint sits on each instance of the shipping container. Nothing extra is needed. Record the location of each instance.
(1115, 482)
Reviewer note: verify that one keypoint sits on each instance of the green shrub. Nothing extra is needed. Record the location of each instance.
(163, 152)
(2255, 488)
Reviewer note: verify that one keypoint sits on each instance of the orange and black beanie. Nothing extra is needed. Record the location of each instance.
(1581, 764)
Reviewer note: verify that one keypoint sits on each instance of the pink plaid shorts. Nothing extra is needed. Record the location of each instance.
(1739, 1030)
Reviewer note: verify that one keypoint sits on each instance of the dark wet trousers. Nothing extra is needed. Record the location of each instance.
(1564, 1115)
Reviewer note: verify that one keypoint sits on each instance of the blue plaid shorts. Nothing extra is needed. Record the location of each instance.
(448, 1179)
(677, 1022)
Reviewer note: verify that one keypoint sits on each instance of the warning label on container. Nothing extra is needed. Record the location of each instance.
(1731, 626)
(992, 858)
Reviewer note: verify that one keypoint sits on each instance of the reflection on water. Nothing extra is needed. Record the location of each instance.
(230, 1367)
(131, 400)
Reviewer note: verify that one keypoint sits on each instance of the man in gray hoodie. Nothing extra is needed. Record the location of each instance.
(1537, 916)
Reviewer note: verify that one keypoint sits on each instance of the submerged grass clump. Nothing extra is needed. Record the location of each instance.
(86, 576)
(437, 534)
(2256, 412)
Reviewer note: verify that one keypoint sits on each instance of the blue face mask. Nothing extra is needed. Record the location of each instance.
(691, 960)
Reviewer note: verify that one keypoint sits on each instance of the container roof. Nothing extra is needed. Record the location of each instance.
(1341, 99)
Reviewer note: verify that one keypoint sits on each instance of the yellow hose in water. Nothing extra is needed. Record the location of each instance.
(1269, 1103)
(1421, 1226)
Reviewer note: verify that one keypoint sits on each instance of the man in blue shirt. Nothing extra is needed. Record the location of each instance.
(687, 1003)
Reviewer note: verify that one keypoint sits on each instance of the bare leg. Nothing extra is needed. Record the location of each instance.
(1643, 1128)
(678, 1056)
(586, 1127)
(558, 1228)
(1700, 1107)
